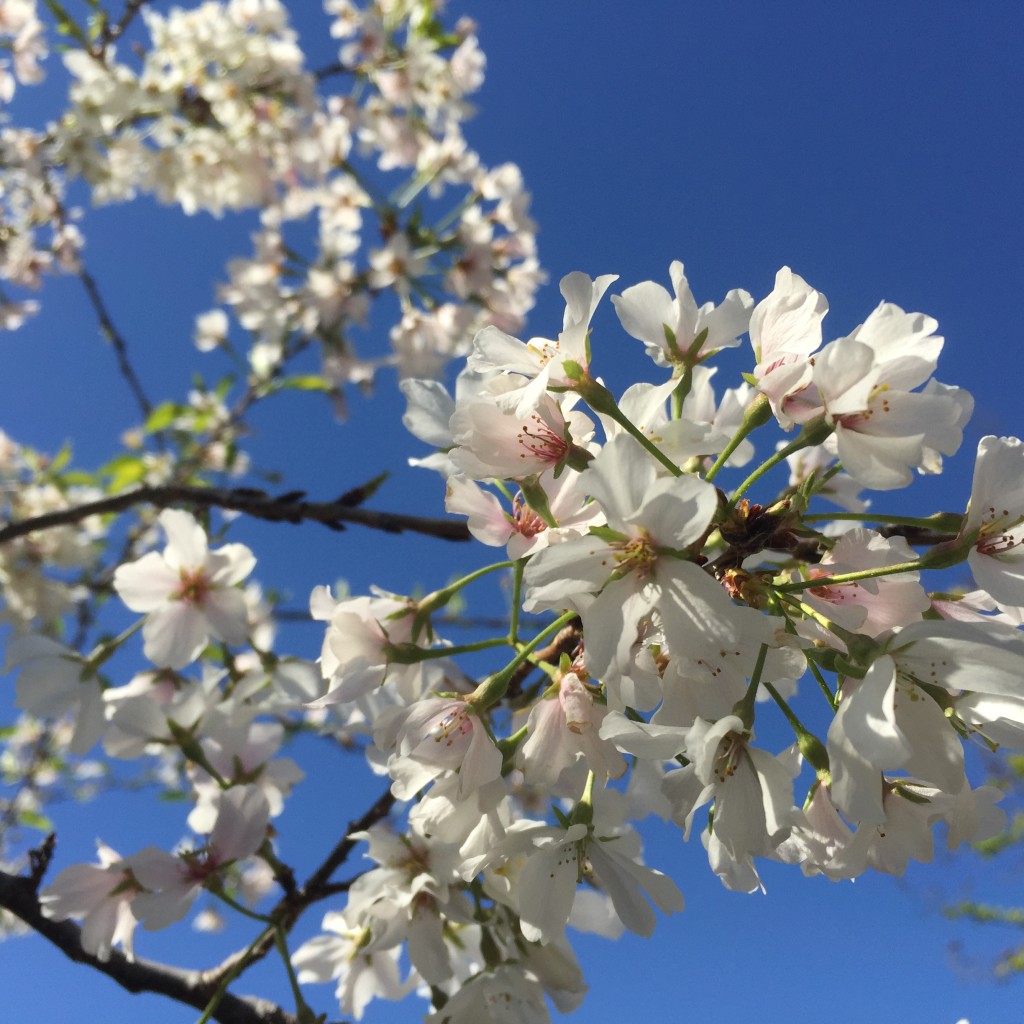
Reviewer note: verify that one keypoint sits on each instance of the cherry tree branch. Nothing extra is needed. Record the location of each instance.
(116, 339)
(193, 988)
(318, 886)
(285, 508)
(111, 31)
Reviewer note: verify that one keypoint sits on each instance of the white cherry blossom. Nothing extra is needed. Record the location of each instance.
(188, 592)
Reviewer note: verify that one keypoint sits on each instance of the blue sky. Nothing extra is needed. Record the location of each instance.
(874, 147)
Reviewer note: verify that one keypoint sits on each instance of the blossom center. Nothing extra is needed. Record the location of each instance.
(194, 586)
(541, 441)
(525, 521)
(636, 555)
(999, 534)
(452, 727)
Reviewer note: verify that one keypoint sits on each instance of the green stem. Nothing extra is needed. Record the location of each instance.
(813, 433)
(638, 435)
(745, 708)
(453, 215)
(236, 906)
(583, 813)
(816, 672)
(108, 648)
(755, 415)
(518, 568)
(230, 975)
(411, 654)
(492, 689)
(810, 746)
(849, 577)
(302, 1009)
(439, 598)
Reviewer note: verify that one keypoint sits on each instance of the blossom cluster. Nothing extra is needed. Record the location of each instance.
(681, 585)
(677, 617)
(217, 111)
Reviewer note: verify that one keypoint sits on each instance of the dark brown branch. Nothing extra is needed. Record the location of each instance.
(288, 508)
(317, 887)
(916, 535)
(193, 988)
(120, 346)
(318, 881)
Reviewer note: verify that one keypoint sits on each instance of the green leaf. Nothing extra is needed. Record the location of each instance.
(124, 471)
(162, 417)
(66, 25)
(33, 819)
(60, 460)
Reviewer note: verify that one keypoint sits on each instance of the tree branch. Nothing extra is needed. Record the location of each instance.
(193, 988)
(112, 31)
(317, 887)
(287, 508)
(120, 346)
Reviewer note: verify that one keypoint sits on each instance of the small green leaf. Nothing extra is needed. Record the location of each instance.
(33, 819)
(306, 382)
(162, 417)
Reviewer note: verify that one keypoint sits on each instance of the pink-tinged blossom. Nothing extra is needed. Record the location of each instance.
(492, 444)
(785, 329)
(188, 592)
(521, 529)
(175, 881)
(645, 310)
(865, 382)
(432, 737)
(101, 895)
(995, 519)
(354, 656)
(240, 751)
(563, 729)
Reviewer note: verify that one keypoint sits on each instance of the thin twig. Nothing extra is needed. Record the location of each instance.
(113, 31)
(116, 339)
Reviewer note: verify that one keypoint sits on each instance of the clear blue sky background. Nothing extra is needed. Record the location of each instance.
(876, 148)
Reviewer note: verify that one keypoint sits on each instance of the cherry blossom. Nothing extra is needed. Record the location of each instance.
(101, 894)
(995, 519)
(189, 592)
(648, 313)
